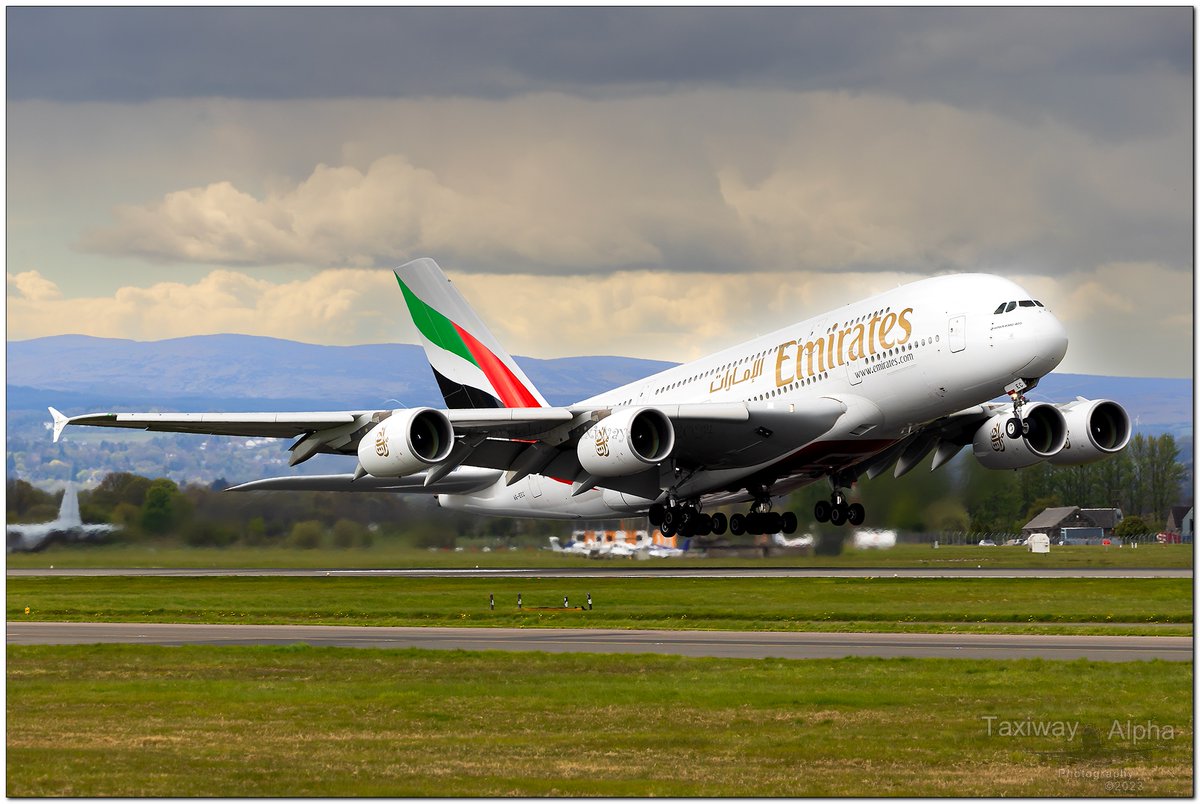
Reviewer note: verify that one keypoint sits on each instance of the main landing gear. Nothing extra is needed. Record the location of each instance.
(836, 511)
(685, 519)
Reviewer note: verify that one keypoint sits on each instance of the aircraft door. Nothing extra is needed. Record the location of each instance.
(958, 333)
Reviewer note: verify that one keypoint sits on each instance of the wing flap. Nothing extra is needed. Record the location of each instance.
(463, 480)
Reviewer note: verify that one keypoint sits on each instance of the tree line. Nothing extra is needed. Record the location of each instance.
(1144, 481)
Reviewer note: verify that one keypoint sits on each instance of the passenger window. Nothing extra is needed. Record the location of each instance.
(1011, 306)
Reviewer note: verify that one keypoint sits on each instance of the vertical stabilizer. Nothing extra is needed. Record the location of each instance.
(68, 512)
(471, 368)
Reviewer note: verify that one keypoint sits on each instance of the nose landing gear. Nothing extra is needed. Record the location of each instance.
(1016, 427)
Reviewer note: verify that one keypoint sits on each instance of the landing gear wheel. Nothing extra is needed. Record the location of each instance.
(737, 524)
(720, 523)
(772, 522)
(702, 525)
(789, 522)
(656, 513)
(838, 514)
(822, 510)
(1014, 428)
(667, 529)
(855, 514)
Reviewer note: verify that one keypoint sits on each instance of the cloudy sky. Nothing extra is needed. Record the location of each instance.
(654, 183)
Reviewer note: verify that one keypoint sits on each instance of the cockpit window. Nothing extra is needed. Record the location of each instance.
(1000, 309)
(1038, 303)
(1026, 303)
(1011, 306)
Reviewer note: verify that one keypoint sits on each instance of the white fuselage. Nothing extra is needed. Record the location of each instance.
(897, 360)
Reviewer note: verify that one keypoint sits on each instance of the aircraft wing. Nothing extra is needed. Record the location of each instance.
(251, 425)
(519, 441)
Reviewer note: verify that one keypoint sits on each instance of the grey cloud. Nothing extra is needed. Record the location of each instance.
(1008, 56)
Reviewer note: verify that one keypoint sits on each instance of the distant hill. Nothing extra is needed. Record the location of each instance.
(79, 374)
(224, 372)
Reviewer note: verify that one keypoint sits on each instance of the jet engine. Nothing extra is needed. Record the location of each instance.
(1047, 435)
(626, 443)
(406, 442)
(1095, 428)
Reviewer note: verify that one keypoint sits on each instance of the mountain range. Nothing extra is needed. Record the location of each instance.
(80, 374)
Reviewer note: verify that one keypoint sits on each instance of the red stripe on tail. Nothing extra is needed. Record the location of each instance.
(512, 391)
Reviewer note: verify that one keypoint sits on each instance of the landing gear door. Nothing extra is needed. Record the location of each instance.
(958, 333)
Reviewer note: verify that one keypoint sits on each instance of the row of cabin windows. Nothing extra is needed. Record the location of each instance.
(1008, 307)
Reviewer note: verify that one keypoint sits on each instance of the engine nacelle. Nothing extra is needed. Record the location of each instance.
(1095, 428)
(1047, 435)
(406, 442)
(626, 443)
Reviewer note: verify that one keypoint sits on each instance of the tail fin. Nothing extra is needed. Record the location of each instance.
(471, 367)
(68, 512)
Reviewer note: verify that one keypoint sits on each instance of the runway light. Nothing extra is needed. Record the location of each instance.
(26, 609)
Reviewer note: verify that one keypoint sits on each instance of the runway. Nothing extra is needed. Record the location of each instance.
(723, 644)
(657, 570)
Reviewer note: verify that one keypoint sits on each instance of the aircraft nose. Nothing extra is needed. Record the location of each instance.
(1050, 343)
(1053, 337)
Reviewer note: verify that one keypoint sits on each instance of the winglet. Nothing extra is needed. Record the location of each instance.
(60, 421)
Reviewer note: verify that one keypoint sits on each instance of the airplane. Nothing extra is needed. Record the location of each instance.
(68, 526)
(838, 397)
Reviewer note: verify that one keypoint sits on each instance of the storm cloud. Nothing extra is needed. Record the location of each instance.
(644, 164)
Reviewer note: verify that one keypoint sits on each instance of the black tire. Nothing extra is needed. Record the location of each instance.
(772, 522)
(671, 517)
(821, 510)
(702, 525)
(838, 514)
(737, 524)
(667, 529)
(720, 523)
(656, 514)
(1012, 428)
(856, 514)
(790, 522)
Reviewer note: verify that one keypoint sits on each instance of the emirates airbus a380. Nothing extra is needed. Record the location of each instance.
(876, 384)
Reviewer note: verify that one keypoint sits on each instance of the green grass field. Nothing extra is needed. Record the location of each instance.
(103, 721)
(1070, 605)
(391, 555)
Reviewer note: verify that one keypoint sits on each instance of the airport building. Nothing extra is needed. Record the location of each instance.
(1075, 525)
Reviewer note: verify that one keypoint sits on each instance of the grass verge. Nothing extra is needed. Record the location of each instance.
(385, 556)
(1067, 605)
(150, 721)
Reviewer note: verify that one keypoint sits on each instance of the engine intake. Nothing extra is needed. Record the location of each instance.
(406, 442)
(626, 442)
(1095, 428)
(1047, 436)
